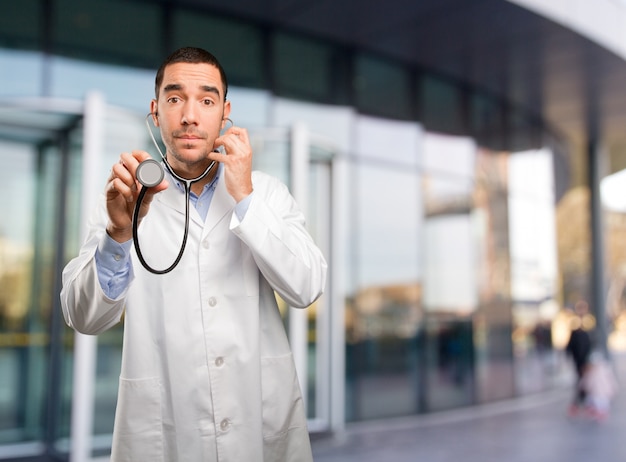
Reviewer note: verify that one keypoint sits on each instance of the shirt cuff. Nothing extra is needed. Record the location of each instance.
(112, 255)
(242, 206)
(113, 265)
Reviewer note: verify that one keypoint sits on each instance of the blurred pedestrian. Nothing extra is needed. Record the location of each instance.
(579, 348)
(599, 386)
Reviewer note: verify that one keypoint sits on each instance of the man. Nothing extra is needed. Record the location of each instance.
(207, 372)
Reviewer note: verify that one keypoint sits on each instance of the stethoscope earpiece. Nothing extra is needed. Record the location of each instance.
(226, 121)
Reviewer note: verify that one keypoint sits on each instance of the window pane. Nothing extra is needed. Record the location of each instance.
(112, 30)
(384, 313)
(238, 46)
(486, 121)
(19, 409)
(449, 262)
(21, 27)
(382, 88)
(441, 106)
(125, 87)
(302, 68)
(28, 290)
(388, 140)
(27, 66)
(534, 282)
(493, 320)
(451, 155)
(450, 283)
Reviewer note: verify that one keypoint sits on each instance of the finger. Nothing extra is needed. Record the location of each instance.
(118, 186)
(140, 156)
(234, 142)
(121, 171)
(237, 134)
(242, 133)
(131, 160)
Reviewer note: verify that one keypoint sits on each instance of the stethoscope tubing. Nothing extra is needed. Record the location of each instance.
(144, 263)
(187, 184)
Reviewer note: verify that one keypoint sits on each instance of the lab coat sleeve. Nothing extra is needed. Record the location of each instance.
(274, 230)
(85, 306)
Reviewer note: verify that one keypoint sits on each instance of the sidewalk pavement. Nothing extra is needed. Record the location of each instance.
(530, 429)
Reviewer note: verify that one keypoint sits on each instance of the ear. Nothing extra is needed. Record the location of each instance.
(154, 112)
(226, 114)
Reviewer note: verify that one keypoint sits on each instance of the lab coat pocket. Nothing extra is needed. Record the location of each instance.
(285, 436)
(138, 433)
(282, 401)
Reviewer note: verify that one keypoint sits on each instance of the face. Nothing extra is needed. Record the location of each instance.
(191, 112)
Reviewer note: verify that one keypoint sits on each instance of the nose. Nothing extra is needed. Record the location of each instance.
(189, 114)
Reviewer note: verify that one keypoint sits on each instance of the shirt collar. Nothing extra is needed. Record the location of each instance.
(211, 185)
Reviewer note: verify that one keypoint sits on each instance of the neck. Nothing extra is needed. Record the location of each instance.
(190, 174)
(198, 186)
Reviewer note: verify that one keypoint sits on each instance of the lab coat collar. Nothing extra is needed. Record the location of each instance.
(221, 204)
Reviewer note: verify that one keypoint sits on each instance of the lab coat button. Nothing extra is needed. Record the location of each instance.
(205, 243)
(212, 301)
(225, 424)
(219, 361)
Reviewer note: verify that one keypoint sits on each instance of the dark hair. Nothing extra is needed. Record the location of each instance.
(191, 55)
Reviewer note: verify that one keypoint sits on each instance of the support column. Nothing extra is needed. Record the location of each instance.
(85, 346)
(595, 165)
(298, 318)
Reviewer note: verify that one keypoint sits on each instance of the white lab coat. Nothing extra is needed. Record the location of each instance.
(207, 372)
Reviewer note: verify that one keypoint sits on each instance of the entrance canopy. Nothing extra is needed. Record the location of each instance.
(35, 121)
(572, 83)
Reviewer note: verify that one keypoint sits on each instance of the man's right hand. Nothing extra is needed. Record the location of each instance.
(122, 191)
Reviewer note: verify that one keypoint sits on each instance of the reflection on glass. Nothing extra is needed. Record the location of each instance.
(384, 313)
(129, 88)
(534, 281)
(318, 343)
(450, 276)
(492, 320)
(20, 339)
(271, 153)
(31, 400)
(382, 87)
(25, 64)
(389, 141)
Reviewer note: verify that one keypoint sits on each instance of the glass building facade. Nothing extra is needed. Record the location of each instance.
(436, 204)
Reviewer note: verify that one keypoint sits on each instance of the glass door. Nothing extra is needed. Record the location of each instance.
(318, 315)
(45, 195)
(38, 160)
(304, 163)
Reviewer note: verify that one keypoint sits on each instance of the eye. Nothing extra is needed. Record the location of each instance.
(173, 99)
(207, 101)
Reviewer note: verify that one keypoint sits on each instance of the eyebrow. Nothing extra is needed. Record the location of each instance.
(178, 87)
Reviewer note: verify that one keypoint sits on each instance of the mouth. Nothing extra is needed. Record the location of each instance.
(188, 135)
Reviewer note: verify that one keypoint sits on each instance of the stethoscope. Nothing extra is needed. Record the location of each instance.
(150, 173)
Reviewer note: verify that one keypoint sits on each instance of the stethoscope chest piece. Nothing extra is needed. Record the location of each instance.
(149, 173)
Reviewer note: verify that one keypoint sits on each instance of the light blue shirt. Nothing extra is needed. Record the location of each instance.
(113, 258)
